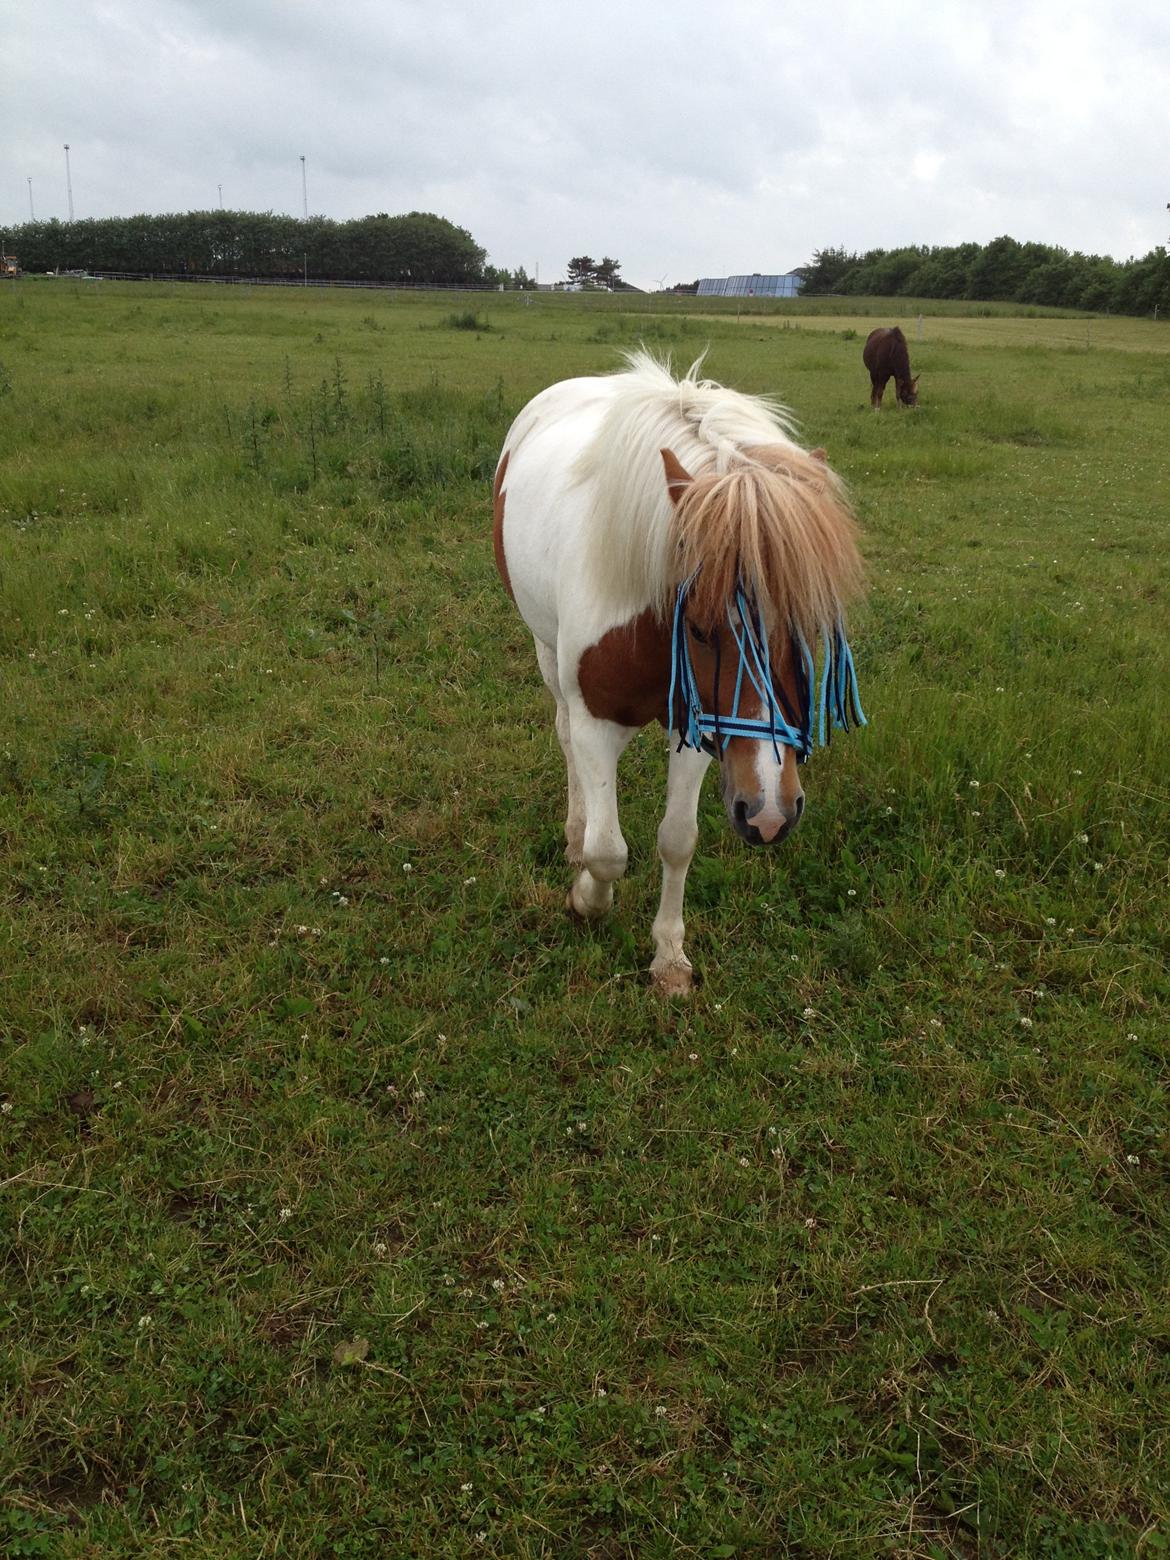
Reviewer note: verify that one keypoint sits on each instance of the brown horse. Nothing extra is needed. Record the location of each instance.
(887, 357)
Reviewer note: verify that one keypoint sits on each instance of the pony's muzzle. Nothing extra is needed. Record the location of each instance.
(763, 823)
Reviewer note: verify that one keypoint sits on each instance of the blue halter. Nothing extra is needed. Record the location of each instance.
(838, 704)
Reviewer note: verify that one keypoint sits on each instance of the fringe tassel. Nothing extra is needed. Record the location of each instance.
(838, 701)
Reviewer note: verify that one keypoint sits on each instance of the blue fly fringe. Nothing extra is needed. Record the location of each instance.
(838, 704)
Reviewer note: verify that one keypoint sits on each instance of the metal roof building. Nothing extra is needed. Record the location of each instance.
(757, 285)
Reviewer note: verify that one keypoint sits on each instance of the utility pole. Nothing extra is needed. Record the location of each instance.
(68, 182)
(32, 216)
(304, 189)
(219, 187)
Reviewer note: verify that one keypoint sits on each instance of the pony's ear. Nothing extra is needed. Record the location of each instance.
(819, 454)
(678, 478)
(914, 381)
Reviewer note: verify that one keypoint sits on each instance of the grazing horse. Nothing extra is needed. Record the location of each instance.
(887, 357)
(677, 557)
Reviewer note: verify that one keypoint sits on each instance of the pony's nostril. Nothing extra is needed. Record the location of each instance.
(799, 807)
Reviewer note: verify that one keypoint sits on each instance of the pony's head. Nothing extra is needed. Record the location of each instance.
(908, 391)
(767, 552)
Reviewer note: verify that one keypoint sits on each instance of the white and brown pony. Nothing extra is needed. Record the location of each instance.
(677, 557)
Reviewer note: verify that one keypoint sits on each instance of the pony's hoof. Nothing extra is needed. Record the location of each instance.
(581, 917)
(676, 980)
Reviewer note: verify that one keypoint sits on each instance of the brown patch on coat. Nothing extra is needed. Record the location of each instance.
(625, 676)
(498, 524)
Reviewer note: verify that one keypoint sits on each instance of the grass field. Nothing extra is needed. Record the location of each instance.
(353, 1202)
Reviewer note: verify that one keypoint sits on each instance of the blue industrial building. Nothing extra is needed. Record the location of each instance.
(757, 285)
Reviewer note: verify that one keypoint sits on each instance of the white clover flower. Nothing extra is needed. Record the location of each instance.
(497, 1284)
(407, 867)
(1049, 920)
(1025, 1023)
(660, 1412)
(744, 1161)
(1000, 872)
(285, 1214)
(466, 1489)
(1132, 1159)
(808, 1013)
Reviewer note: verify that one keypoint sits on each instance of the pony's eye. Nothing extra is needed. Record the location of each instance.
(697, 633)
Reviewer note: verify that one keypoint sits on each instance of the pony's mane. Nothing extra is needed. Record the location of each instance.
(760, 508)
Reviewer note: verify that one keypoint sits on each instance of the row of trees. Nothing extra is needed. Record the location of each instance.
(1003, 269)
(418, 248)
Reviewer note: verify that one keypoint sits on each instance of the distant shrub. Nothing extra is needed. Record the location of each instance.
(467, 320)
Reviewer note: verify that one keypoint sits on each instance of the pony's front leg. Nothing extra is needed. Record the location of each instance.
(678, 834)
(597, 745)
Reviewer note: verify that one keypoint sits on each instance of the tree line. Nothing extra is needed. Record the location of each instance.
(1001, 270)
(416, 249)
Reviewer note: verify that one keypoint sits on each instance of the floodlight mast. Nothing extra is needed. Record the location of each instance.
(68, 182)
(32, 216)
(304, 189)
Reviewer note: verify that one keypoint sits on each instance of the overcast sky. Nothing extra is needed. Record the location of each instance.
(698, 138)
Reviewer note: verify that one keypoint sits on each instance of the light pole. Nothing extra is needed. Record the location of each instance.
(32, 216)
(68, 182)
(304, 189)
(219, 187)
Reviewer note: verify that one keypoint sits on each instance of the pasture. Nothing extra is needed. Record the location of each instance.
(354, 1202)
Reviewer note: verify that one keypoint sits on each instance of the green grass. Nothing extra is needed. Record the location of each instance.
(353, 1202)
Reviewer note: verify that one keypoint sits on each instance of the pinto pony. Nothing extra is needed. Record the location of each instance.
(887, 357)
(677, 557)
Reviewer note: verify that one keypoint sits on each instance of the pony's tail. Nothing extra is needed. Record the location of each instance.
(779, 523)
